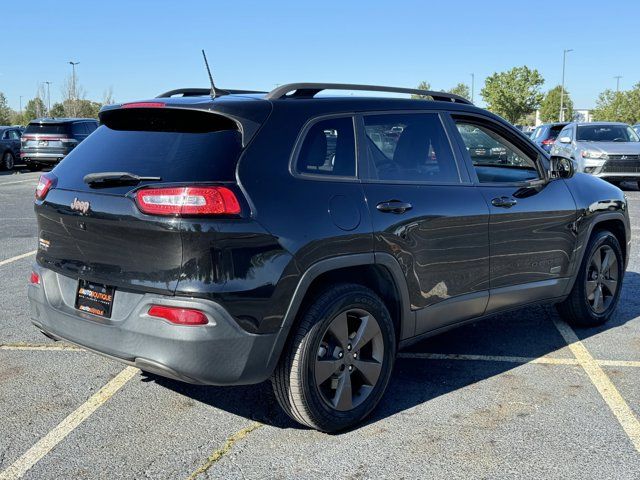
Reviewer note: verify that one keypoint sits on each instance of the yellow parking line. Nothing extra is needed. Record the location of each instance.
(604, 385)
(17, 257)
(39, 346)
(490, 358)
(33, 180)
(618, 363)
(222, 451)
(64, 428)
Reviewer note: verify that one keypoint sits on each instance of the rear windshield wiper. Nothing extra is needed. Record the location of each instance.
(116, 178)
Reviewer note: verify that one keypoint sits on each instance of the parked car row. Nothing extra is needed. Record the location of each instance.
(44, 142)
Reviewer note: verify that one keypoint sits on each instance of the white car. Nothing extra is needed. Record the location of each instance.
(605, 149)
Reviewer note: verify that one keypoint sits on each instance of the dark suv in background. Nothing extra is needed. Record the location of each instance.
(46, 141)
(9, 146)
(545, 135)
(237, 237)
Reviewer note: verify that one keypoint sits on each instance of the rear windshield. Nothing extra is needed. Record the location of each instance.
(606, 133)
(174, 156)
(48, 128)
(554, 131)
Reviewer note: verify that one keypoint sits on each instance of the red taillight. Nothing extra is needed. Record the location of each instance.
(143, 105)
(47, 182)
(34, 279)
(179, 316)
(548, 141)
(188, 201)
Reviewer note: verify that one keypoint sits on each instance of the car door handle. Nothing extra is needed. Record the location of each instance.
(504, 202)
(394, 206)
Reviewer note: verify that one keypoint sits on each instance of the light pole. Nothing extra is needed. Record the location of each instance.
(20, 105)
(473, 82)
(564, 61)
(48, 99)
(73, 85)
(618, 77)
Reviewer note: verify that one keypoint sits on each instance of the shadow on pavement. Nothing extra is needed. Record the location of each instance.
(528, 332)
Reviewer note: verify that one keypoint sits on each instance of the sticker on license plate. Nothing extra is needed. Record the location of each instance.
(95, 298)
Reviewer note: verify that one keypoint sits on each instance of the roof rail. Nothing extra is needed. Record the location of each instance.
(309, 90)
(202, 92)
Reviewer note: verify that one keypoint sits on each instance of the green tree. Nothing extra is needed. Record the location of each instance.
(6, 113)
(550, 106)
(513, 94)
(621, 106)
(57, 110)
(462, 90)
(35, 108)
(422, 86)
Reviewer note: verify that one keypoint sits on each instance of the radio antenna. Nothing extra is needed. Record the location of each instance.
(213, 87)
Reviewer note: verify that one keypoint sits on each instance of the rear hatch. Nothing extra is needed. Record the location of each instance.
(48, 138)
(96, 231)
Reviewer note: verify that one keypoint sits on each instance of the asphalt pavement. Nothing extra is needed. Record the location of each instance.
(520, 395)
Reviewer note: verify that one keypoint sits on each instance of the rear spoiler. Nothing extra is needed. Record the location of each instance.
(157, 115)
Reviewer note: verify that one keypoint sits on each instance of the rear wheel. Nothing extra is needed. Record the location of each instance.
(597, 289)
(337, 366)
(8, 161)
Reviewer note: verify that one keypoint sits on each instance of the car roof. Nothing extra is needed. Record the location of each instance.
(60, 120)
(581, 124)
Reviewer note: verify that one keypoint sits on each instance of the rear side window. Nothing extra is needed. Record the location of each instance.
(175, 146)
(409, 148)
(48, 128)
(328, 149)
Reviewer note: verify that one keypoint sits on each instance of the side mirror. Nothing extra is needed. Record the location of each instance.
(564, 139)
(561, 167)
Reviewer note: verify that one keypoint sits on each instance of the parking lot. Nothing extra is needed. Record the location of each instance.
(521, 395)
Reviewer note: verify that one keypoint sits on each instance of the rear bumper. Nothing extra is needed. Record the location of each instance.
(219, 353)
(42, 157)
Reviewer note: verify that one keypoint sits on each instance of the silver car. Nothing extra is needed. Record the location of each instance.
(605, 149)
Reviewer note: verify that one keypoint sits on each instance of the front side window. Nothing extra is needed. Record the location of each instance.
(329, 149)
(409, 148)
(494, 157)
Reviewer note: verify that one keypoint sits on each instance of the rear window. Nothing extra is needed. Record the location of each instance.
(158, 146)
(47, 128)
(554, 131)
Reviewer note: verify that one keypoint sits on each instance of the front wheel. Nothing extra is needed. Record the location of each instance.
(596, 291)
(337, 365)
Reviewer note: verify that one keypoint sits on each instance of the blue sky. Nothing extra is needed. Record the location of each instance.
(142, 48)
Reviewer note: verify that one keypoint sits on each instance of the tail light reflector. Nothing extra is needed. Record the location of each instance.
(34, 278)
(179, 316)
(188, 201)
(47, 182)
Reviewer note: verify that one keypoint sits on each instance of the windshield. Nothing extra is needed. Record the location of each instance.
(606, 133)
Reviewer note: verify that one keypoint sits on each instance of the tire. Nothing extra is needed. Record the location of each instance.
(326, 405)
(638, 184)
(591, 301)
(8, 161)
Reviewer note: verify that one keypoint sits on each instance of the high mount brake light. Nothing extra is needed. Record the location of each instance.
(548, 141)
(179, 316)
(47, 182)
(187, 201)
(143, 105)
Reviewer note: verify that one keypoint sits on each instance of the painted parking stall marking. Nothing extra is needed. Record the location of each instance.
(603, 384)
(64, 428)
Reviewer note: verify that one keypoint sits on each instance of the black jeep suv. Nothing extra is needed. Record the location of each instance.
(237, 237)
(46, 141)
